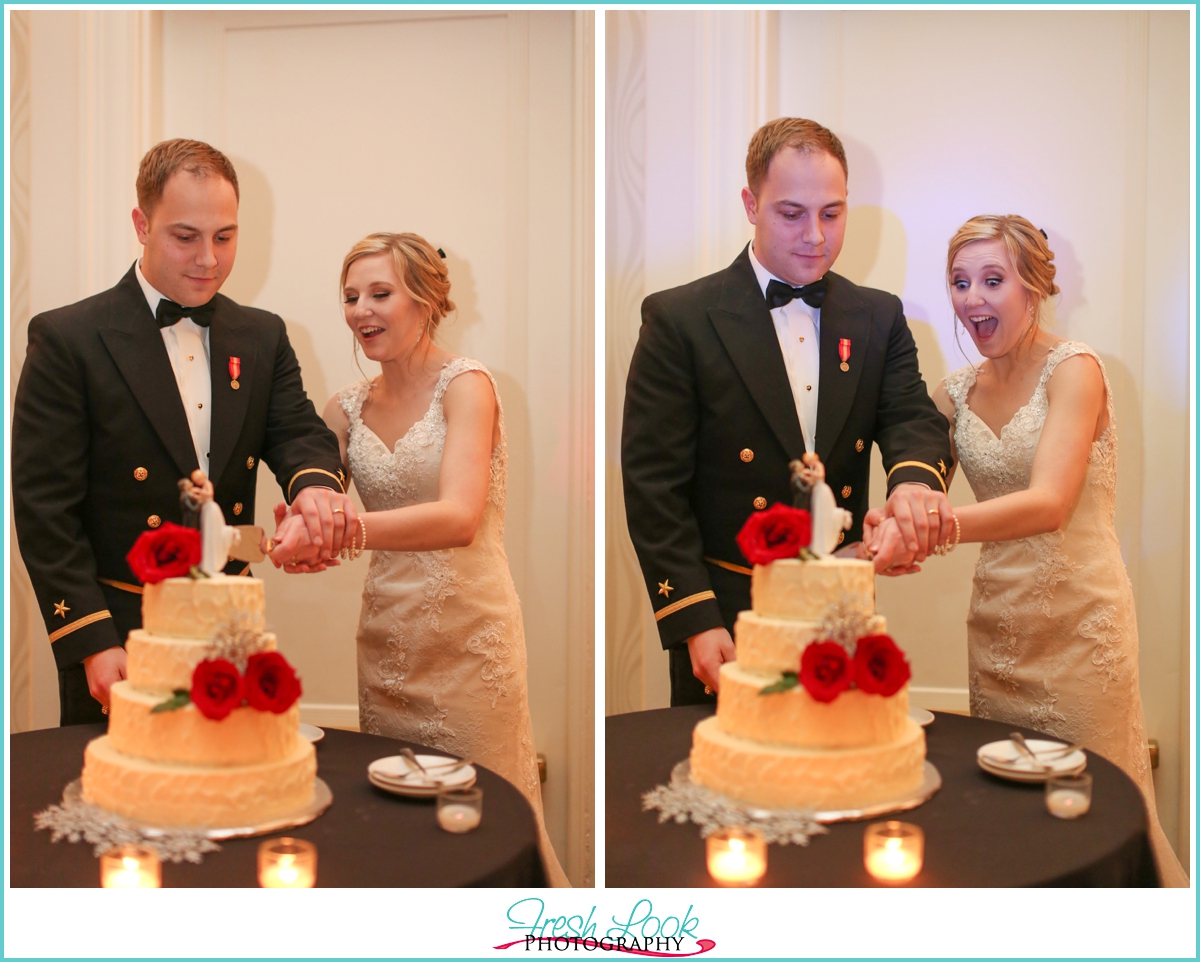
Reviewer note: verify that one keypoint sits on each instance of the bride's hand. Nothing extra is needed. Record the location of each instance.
(294, 550)
(886, 546)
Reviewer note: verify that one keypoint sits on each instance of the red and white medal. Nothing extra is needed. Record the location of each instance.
(844, 352)
(235, 370)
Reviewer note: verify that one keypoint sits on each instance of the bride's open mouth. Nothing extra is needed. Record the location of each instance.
(985, 325)
(366, 333)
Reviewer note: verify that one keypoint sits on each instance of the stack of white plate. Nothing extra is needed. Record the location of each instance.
(1006, 760)
(397, 775)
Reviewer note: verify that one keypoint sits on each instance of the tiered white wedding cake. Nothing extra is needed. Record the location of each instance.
(175, 765)
(814, 712)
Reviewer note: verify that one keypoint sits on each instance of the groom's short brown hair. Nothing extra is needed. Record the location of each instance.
(171, 156)
(803, 135)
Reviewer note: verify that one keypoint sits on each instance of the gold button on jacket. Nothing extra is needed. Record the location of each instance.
(846, 491)
(154, 521)
(141, 474)
(760, 503)
(249, 463)
(858, 445)
(747, 455)
(237, 508)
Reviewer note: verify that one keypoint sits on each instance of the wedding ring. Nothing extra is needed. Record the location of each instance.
(934, 511)
(339, 511)
(270, 545)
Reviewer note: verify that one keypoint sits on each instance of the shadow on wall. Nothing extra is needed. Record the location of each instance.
(1069, 278)
(466, 302)
(256, 225)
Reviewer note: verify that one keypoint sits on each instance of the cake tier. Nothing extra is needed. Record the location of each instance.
(166, 793)
(246, 736)
(780, 776)
(775, 645)
(160, 663)
(794, 717)
(196, 607)
(801, 590)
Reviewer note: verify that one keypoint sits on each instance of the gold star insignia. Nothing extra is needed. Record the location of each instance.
(942, 465)
(665, 589)
(60, 608)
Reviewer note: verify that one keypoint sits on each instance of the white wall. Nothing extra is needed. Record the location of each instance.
(472, 129)
(1078, 120)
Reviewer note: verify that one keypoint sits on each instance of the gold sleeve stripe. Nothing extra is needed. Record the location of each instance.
(341, 487)
(683, 603)
(81, 623)
(121, 585)
(919, 464)
(737, 569)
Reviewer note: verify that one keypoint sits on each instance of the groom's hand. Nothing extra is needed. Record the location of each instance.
(104, 669)
(709, 651)
(923, 516)
(330, 518)
(294, 550)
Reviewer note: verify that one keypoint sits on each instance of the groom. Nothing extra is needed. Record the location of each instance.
(740, 372)
(132, 389)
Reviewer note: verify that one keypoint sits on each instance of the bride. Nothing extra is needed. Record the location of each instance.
(1052, 641)
(441, 647)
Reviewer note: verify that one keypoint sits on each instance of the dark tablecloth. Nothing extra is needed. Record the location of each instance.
(367, 838)
(979, 830)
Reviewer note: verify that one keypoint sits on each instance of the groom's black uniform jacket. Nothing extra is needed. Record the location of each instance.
(100, 439)
(710, 426)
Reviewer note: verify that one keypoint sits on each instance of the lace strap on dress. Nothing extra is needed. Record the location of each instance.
(959, 383)
(1066, 349)
(460, 365)
(352, 397)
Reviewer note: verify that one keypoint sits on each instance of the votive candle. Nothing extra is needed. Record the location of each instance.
(736, 856)
(287, 863)
(1069, 796)
(893, 851)
(130, 867)
(460, 810)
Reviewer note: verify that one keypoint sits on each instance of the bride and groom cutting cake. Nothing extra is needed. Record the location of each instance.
(130, 390)
(741, 372)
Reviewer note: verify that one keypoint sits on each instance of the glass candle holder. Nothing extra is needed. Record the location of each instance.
(130, 867)
(287, 863)
(1069, 796)
(460, 810)
(736, 856)
(893, 851)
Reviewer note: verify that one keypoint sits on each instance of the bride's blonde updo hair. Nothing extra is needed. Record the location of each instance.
(421, 269)
(1027, 249)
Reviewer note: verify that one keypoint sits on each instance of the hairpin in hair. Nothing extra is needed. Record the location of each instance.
(442, 253)
(1040, 231)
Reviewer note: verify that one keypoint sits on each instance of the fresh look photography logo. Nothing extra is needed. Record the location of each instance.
(639, 931)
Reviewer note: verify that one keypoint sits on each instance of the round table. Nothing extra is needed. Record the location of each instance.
(367, 838)
(980, 830)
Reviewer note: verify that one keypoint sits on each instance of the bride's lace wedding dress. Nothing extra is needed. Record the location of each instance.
(1052, 640)
(441, 646)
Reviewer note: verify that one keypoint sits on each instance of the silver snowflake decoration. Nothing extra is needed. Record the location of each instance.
(236, 640)
(78, 821)
(848, 619)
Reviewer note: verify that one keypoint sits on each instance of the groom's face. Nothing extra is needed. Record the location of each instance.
(190, 238)
(799, 215)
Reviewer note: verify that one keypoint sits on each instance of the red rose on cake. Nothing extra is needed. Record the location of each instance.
(271, 684)
(779, 532)
(825, 670)
(166, 552)
(216, 688)
(880, 667)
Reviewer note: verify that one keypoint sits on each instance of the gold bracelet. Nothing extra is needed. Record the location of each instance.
(945, 549)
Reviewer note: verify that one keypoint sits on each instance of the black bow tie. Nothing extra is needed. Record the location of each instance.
(169, 313)
(779, 293)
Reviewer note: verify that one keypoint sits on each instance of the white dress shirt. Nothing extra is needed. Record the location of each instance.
(798, 328)
(187, 347)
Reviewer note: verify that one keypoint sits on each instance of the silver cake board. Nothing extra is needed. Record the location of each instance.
(931, 781)
(322, 798)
